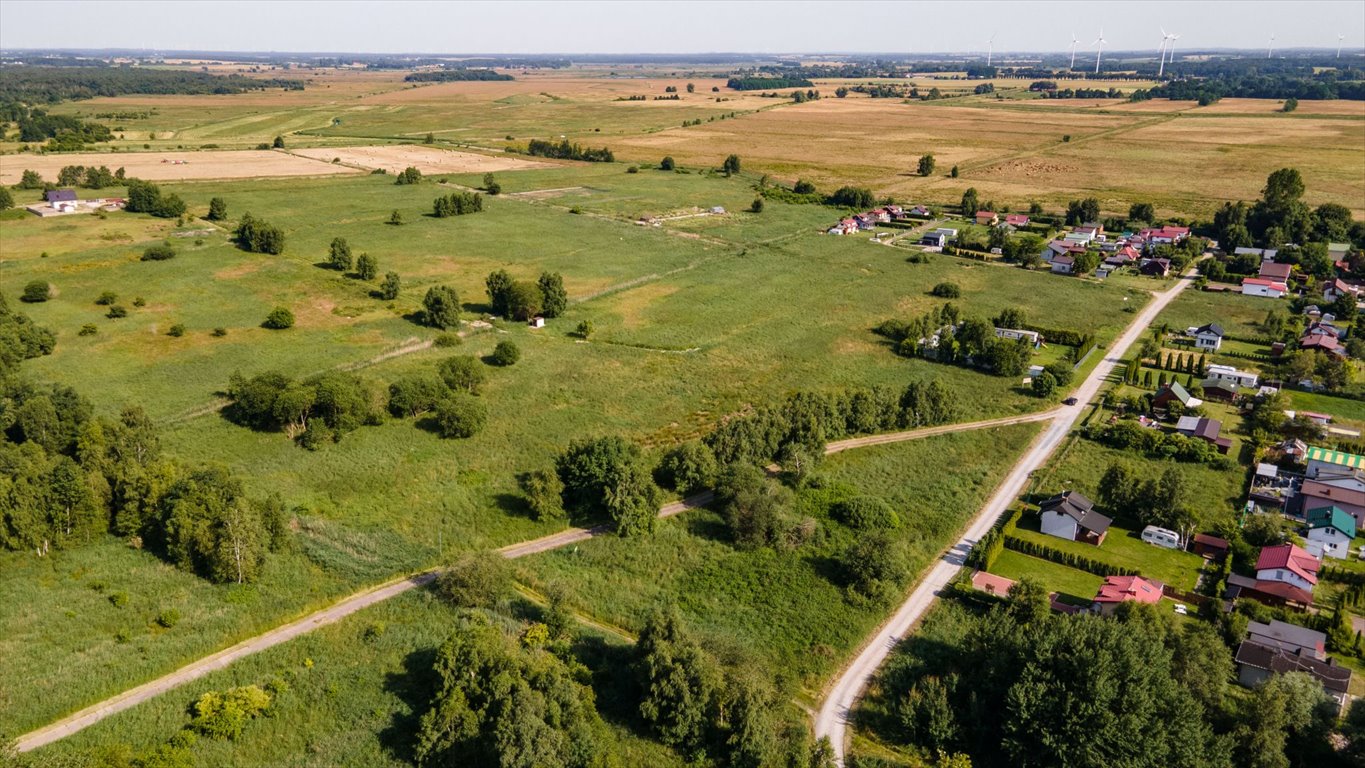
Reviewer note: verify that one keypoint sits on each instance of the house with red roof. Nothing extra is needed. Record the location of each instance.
(1288, 564)
(1337, 288)
(1165, 235)
(1016, 220)
(1126, 589)
(987, 218)
(1271, 289)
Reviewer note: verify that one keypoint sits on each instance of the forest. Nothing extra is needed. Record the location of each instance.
(49, 85)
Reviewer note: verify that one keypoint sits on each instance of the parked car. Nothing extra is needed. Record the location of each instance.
(1069, 401)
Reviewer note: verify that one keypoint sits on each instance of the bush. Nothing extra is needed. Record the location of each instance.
(446, 340)
(138, 301)
(223, 715)
(867, 513)
(219, 332)
(461, 416)
(477, 580)
(176, 330)
(89, 329)
(168, 618)
(584, 329)
(544, 493)
(279, 319)
(36, 292)
(118, 599)
(116, 312)
(688, 468)
(667, 164)
(106, 298)
(441, 307)
(158, 253)
(462, 374)
(946, 290)
(505, 353)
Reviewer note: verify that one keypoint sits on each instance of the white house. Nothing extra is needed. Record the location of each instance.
(1288, 564)
(1255, 286)
(1071, 516)
(1063, 265)
(1330, 531)
(1233, 376)
(1208, 337)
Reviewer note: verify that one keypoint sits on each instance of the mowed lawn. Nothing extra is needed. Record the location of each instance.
(1239, 315)
(356, 691)
(787, 609)
(1073, 585)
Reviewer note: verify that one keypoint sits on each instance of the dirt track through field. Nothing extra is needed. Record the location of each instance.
(365, 598)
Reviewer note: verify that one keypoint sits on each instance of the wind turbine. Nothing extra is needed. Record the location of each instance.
(1099, 41)
(1161, 51)
(1075, 42)
(990, 47)
(1170, 49)
(1339, 39)
(1270, 52)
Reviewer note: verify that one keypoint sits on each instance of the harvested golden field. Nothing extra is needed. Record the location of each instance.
(395, 157)
(174, 166)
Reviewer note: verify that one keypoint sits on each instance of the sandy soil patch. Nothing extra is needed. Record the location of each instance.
(395, 158)
(163, 166)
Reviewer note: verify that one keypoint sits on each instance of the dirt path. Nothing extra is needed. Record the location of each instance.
(832, 719)
(368, 597)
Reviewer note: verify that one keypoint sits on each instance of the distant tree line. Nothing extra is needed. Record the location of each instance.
(1254, 86)
(760, 83)
(89, 177)
(459, 74)
(566, 150)
(38, 85)
(66, 131)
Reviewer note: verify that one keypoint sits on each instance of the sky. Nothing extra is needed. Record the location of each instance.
(673, 26)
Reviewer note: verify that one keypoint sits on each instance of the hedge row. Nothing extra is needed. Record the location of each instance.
(1062, 336)
(1068, 559)
(1254, 356)
(984, 553)
(1341, 575)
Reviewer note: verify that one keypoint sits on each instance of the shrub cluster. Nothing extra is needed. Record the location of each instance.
(457, 204)
(566, 150)
(146, 197)
(258, 236)
(316, 410)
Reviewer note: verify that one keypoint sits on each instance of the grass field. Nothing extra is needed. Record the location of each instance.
(786, 608)
(354, 699)
(1073, 585)
(688, 330)
(1239, 315)
(1125, 548)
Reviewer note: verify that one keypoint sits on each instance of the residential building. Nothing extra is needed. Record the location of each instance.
(1336, 288)
(1260, 253)
(1126, 589)
(1064, 264)
(1270, 289)
(1155, 267)
(1289, 564)
(1317, 494)
(1174, 393)
(1165, 235)
(1256, 663)
(1326, 461)
(1330, 530)
(1218, 389)
(935, 239)
(1069, 515)
(1016, 220)
(63, 200)
(987, 218)
(1275, 272)
(1288, 637)
(1204, 429)
(1208, 337)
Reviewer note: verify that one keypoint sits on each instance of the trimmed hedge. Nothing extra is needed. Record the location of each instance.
(1341, 575)
(1068, 559)
(988, 549)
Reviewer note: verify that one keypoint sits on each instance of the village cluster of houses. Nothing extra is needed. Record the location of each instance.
(851, 225)
(60, 202)
(1128, 249)
(1272, 279)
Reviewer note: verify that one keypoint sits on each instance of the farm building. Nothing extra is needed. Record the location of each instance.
(62, 200)
(1071, 516)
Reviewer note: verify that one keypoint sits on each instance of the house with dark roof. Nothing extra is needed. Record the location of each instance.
(1063, 264)
(1256, 663)
(1071, 516)
(1218, 389)
(1209, 546)
(1208, 337)
(1126, 589)
(1274, 272)
(1204, 429)
(1288, 564)
(1288, 637)
(1330, 530)
(1272, 593)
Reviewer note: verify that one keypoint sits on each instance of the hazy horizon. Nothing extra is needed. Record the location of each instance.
(672, 27)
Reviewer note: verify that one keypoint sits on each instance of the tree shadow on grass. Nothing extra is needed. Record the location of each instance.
(514, 504)
(609, 665)
(707, 527)
(414, 686)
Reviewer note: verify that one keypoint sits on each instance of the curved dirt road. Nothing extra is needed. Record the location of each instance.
(84, 718)
(832, 719)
